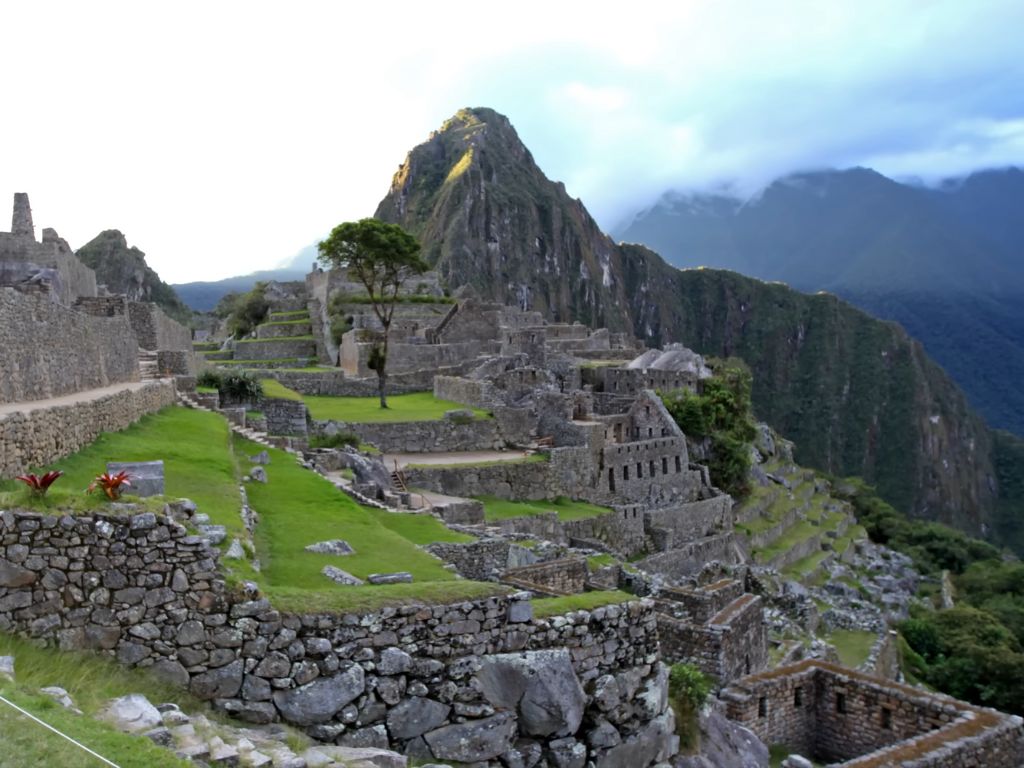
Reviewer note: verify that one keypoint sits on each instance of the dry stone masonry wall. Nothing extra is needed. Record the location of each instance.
(48, 350)
(472, 682)
(846, 718)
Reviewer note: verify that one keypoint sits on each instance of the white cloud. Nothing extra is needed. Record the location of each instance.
(222, 137)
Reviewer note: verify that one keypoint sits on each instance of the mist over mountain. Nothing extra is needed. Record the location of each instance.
(946, 262)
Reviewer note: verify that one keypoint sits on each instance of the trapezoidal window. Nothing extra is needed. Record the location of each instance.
(611, 479)
(664, 465)
(886, 718)
(798, 696)
(841, 703)
(762, 707)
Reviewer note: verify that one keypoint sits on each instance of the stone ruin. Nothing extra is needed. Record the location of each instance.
(59, 337)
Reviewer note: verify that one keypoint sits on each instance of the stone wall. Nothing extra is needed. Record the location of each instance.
(509, 427)
(275, 349)
(834, 715)
(40, 437)
(446, 434)
(567, 576)
(285, 417)
(155, 330)
(620, 531)
(689, 557)
(631, 381)
(692, 521)
(460, 683)
(47, 349)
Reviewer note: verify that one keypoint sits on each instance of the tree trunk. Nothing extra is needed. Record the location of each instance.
(382, 378)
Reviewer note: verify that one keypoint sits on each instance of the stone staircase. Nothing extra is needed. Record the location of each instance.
(149, 367)
(262, 438)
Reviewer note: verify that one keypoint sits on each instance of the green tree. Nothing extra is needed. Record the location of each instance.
(382, 257)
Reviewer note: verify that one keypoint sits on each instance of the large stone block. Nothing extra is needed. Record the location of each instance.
(474, 740)
(540, 685)
(322, 699)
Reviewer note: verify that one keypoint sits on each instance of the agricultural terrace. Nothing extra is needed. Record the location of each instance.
(205, 462)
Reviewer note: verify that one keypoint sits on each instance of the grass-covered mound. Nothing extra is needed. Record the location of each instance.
(417, 406)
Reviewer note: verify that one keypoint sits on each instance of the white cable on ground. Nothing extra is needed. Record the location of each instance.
(62, 735)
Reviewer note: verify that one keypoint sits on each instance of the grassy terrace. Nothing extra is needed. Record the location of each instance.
(853, 646)
(417, 406)
(203, 461)
(274, 389)
(296, 314)
(304, 337)
(585, 601)
(566, 508)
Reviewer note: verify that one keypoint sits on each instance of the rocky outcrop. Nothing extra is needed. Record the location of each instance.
(124, 271)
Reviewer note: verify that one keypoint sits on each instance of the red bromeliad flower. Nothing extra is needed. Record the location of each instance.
(40, 485)
(111, 484)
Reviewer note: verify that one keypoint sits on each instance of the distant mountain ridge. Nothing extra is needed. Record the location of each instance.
(857, 395)
(945, 262)
(202, 296)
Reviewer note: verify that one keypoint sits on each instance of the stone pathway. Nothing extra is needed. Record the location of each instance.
(87, 396)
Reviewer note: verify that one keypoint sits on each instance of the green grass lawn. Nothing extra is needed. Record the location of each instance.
(804, 566)
(567, 509)
(274, 389)
(295, 314)
(417, 406)
(585, 601)
(92, 681)
(298, 507)
(198, 462)
(853, 646)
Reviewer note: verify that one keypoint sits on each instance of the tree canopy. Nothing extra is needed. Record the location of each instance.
(381, 256)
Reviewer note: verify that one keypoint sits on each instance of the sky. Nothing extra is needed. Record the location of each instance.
(223, 137)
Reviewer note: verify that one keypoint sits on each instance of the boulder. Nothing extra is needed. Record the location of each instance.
(797, 761)
(364, 757)
(320, 700)
(653, 743)
(7, 667)
(221, 683)
(725, 744)
(132, 713)
(474, 740)
(540, 685)
(146, 477)
(12, 575)
(393, 661)
(415, 716)
(259, 474)
(332, 547)
(400, 577)
(260, 458)
(339, 576)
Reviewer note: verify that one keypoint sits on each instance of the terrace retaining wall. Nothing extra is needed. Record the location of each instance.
(415, 678)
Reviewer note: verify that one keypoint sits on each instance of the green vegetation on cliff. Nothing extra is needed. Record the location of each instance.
(721, 412)
(124, 270)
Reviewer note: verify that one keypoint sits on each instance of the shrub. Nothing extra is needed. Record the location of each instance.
(209, 378)
(688, 689)
(688, 686)
(339, 327)
(112, 485)
(39, 485)
(241, 386)
(337, 440)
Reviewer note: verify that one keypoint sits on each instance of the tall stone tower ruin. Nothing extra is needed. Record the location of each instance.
(21, 221)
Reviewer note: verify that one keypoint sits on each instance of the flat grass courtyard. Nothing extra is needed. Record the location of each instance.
(566, 508)
(205, 462)
(416, 406)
